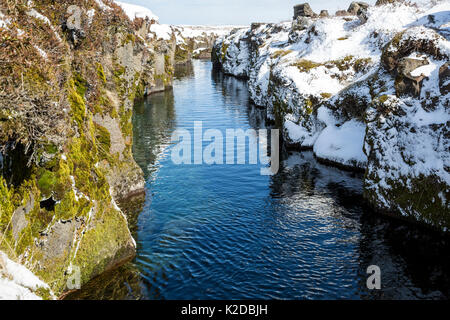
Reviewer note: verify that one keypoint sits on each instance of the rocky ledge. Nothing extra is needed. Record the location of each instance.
(366, 89)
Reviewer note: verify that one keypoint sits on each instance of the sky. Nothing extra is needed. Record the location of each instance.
(234, 12)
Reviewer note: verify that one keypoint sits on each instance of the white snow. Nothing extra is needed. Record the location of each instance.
(37, 15)
(41, 52)
(134, 11)
(343, 144)
(17, 282)
(162, 31)
(3, 21)
(326, 42)
(102, 6)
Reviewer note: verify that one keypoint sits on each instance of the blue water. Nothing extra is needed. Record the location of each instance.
(226, 232)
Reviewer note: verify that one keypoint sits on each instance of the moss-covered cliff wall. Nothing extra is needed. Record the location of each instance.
(67, 89)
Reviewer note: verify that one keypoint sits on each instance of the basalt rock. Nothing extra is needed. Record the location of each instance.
(406, 83)
(324, 14)
(304, 10)
(355, 7)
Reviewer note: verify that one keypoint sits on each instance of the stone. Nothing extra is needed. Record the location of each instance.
(406, 84)
(303, 10)
(342, 13)
(362, 15)
(301, 23)
(19, 220)
(324, 14)
(356, 6)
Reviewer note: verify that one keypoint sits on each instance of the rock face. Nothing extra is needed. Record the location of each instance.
(303, 10)
(367, 98)
(196, 42)
(67, 88)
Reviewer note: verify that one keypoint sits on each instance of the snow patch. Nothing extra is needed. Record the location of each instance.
(17, 282)
(343, 144)
(162, 31)
(134, 11)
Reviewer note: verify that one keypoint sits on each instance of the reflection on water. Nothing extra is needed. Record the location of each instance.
(226, 232)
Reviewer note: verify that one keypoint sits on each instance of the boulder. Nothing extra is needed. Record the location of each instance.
(324, 14)
(356, 6)
(406, 83)
(304, 10)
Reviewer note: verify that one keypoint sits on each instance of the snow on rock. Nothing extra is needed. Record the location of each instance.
(368, 93)
(161, 31)
(3, 21)
(17, 282)
(134, 11)
(343, 145)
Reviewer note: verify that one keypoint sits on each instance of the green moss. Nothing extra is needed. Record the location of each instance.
(309, 106)
(44, 293)
(51, 149)
(80, 84)
(326, 95)
(109, 234)
(383, 98)
(129, 38)
(342, 64)
(306, 65)
(46, 181)
(280, 53)
(78, 107)
(224, 51)
(342, 38)
(101, 73)
(104, 141)
(7, 205)
(361, 64)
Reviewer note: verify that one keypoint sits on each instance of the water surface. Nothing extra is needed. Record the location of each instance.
(226, 232)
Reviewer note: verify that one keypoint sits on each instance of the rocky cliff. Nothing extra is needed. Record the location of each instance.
(70, 72)
(366, 89)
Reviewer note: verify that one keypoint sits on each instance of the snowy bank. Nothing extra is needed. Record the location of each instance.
(367, 91)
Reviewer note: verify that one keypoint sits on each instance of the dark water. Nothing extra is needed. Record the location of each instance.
(226, 232)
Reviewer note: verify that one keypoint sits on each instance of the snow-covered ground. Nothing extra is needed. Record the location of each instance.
(17, 282)
(326, 57)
